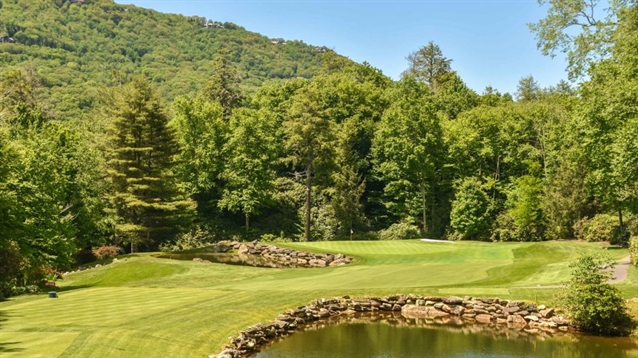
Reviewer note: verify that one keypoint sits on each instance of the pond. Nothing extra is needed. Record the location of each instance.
(231, 259)
(392, 336)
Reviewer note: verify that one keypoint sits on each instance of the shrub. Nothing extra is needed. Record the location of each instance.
(273, 238)
(594, 305)
(633, 249)
(399, 231)
(602, 227)
(10, 268)
(194, 239)
(105, 252)
(504, 228)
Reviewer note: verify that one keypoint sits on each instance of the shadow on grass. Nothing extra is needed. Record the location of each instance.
(609, 248)
(7, 347)
(71, 288)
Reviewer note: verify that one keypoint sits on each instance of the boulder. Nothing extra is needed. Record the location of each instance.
(412, 311)
(531, 318)
(547, 313)
(453, 300)
(243, 249)
(483, 318)
(517, 321)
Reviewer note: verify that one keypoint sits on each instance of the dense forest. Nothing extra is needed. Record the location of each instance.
(124, 126)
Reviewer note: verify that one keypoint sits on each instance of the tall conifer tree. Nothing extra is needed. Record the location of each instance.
(148, 207)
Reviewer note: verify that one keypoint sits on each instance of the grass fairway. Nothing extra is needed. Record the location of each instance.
(147, 307)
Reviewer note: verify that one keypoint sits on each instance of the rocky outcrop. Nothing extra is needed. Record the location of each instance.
(281, 255)
(519, 317)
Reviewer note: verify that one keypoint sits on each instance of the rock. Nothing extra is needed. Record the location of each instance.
(317, 263)
(457, 310)
(517, 321)
(483, 318)
(453, 300)
(411, 311)
(338, 262)
(531, 318)
(560, 321)
(542, 307)
(510, 310)
(547, 313)
(243, 249)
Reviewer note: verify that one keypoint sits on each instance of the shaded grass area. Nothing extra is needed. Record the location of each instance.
(145, 306)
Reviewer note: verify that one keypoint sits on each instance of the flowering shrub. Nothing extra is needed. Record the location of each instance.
(105, 252)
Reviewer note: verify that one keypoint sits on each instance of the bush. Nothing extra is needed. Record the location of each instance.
(633, 249)
(105, 252)
(194, 239)
(10, 268)
(594, 305)
(399, 231)
(504, 228)
(273, 238)
(602, 227)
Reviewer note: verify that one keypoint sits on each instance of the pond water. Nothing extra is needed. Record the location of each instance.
(230, 259)
(397, 337)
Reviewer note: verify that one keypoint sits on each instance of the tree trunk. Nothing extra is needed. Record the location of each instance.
(247, 222)
(622, 226)
(308, 195)
(425, 217)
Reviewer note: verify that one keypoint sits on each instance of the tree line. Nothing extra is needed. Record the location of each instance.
(346, 154)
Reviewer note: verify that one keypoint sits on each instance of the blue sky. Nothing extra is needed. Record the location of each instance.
(488, 41)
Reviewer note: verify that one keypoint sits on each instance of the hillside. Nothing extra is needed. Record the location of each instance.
(76, 46)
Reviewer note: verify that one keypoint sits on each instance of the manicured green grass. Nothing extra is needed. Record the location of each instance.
(147, 307)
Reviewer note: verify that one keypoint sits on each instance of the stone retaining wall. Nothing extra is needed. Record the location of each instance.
(280, 255)
(510, 314)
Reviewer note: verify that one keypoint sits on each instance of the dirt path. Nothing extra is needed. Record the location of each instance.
(620, 271)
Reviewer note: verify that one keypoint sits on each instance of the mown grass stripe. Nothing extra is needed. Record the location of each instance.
(143, 306)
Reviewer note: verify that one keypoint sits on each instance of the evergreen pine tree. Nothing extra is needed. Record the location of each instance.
(148, 206)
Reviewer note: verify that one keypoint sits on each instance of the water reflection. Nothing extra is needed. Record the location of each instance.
(393, 336)
(231, 259)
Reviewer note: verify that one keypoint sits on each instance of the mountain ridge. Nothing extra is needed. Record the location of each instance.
(76, 46)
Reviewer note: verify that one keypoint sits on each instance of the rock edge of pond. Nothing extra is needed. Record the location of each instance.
(280, 255)
(509, 314)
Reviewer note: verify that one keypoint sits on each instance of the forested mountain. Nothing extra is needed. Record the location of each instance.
(345, 154)
(76, 47)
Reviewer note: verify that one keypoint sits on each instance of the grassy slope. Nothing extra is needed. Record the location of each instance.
(151, 307)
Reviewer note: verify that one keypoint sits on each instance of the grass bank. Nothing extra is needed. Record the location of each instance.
(144, 306)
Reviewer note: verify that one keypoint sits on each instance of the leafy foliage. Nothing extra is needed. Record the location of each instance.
(594, 305)
(470, 210)
(107, 252)
(399, 231)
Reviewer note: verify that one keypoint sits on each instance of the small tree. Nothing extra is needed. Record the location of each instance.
(469, 216)
(595, 306)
